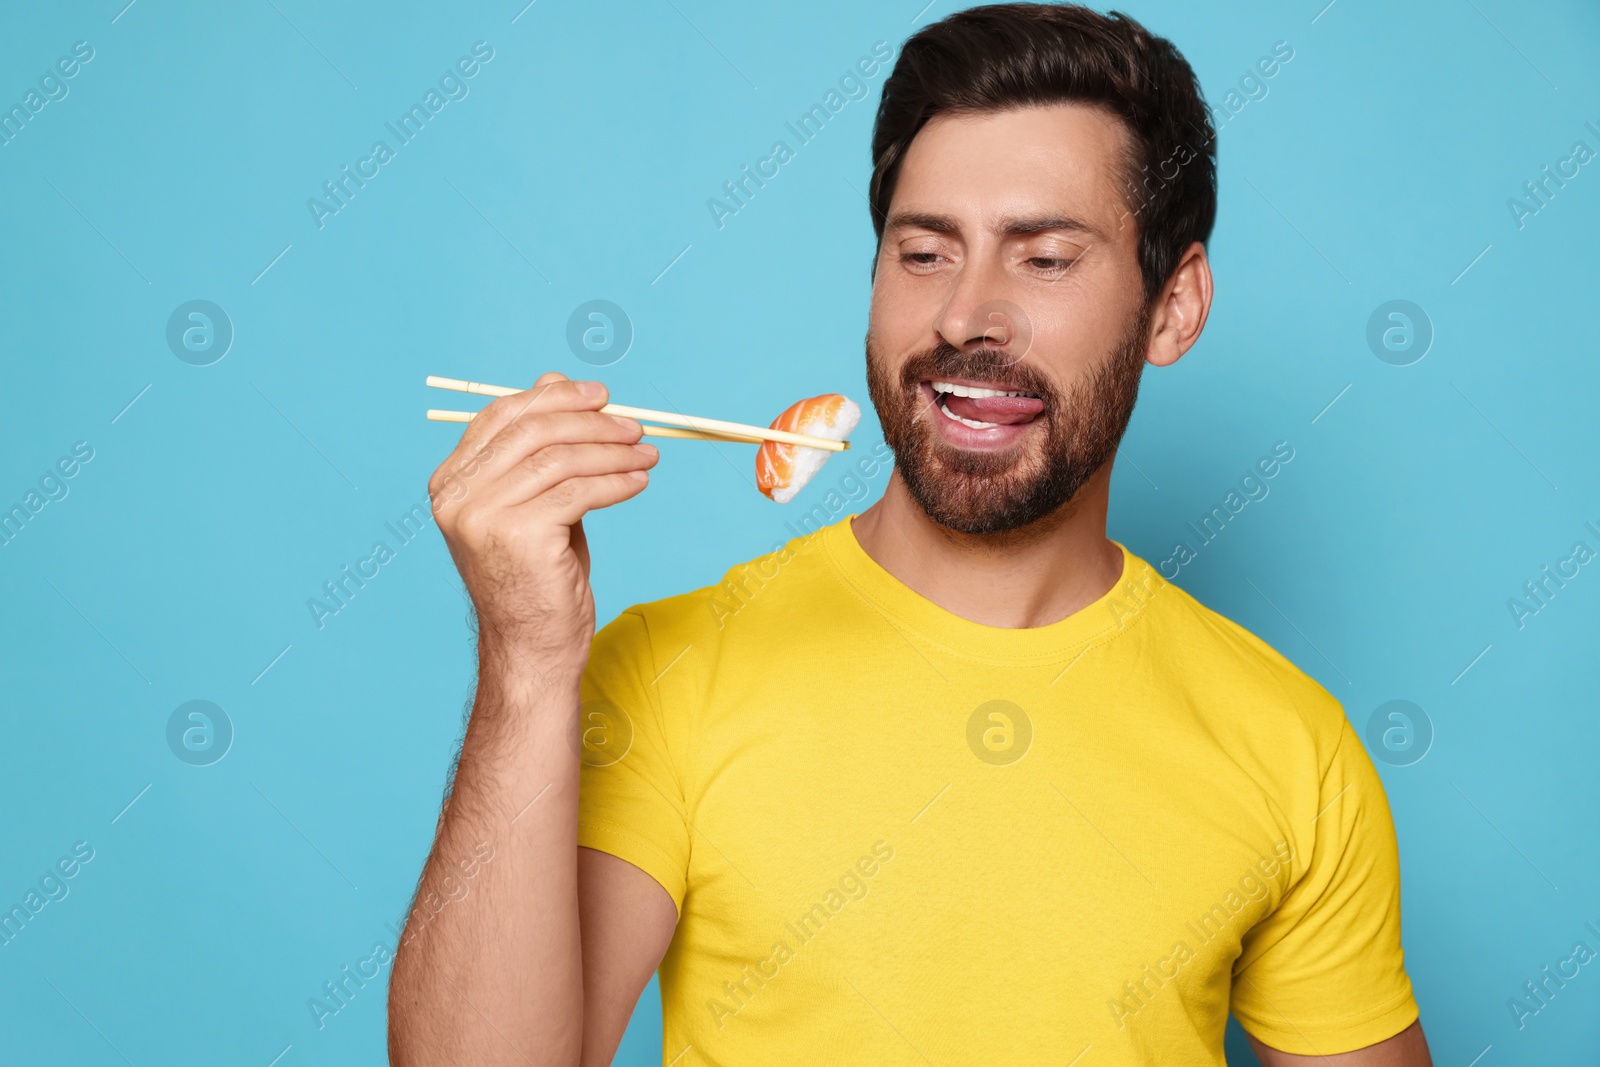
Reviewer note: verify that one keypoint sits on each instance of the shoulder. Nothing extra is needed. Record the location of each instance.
(1266, 685)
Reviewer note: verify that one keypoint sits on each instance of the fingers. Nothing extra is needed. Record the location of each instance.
(549, 467)
(568, 501)
(524, 439)
(553, 392)
(478, 451)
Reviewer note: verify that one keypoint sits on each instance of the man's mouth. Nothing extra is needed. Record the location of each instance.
(984, 406)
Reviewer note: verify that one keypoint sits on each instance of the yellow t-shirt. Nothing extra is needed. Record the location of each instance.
(896, 836)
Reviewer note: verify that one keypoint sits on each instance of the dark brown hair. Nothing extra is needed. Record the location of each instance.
(1019, 55)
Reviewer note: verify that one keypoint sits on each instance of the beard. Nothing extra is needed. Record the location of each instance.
(980, 492)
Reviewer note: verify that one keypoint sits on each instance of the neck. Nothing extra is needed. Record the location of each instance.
(1024, 578)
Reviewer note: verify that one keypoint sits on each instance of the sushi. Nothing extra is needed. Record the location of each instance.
(782, 469)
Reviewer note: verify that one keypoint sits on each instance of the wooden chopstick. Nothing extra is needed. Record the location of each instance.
(713, 429)
(436, 415)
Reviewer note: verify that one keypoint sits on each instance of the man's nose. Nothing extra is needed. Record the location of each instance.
(979, 314)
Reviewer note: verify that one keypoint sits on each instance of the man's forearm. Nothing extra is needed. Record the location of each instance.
(495, 974)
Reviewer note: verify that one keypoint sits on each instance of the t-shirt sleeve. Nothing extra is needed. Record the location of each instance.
(630, 797)
(1325, 973)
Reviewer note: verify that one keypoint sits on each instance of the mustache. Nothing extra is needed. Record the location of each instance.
(944, 360)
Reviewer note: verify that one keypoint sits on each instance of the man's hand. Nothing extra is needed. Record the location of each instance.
(510, 501)
(1408, 1048)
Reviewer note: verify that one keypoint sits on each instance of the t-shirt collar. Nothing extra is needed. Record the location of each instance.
(1105, 617)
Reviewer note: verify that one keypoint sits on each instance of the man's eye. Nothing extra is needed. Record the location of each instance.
(922, 261)
(1054, 266)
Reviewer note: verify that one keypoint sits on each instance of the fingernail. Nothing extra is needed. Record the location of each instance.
(591, 389)
(639, 476)
(649, 450)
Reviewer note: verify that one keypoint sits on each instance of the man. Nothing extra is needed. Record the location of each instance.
(958, 780)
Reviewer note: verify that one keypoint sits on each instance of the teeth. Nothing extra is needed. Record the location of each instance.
(974, 423)
(974, 392)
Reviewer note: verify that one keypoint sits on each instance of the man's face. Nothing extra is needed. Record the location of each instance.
(1008, 265)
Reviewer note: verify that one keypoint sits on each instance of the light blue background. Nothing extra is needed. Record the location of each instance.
(1378, 167)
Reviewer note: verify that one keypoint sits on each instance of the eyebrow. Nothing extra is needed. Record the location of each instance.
(1009, 227)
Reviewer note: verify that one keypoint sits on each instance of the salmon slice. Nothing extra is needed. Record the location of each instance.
(782, 470)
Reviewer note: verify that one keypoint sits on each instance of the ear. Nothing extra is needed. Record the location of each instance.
(1179, 313)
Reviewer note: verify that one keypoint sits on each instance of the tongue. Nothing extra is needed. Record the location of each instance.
(1007, 410)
